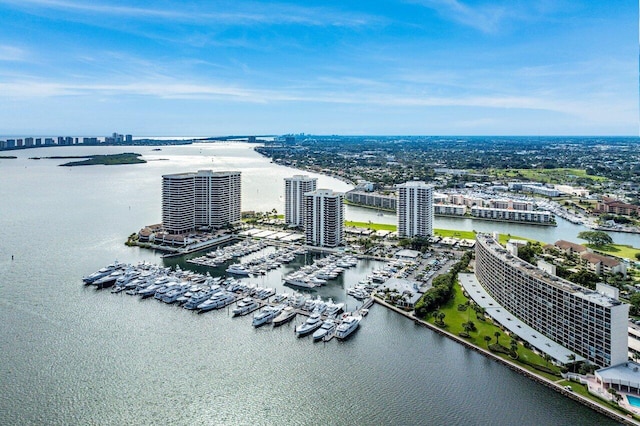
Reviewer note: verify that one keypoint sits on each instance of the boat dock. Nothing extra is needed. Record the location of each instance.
(202, 293)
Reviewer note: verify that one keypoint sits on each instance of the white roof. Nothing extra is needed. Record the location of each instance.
(408, 253)
(536, 339)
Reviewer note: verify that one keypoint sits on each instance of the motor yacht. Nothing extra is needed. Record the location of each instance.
(310, 325)
(285, 316)
(325, 330)
(347, 326)
(245, 306)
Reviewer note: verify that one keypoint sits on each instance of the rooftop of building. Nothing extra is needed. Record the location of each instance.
(566, 245)
(552, 280)
(414, 184)
(627, 373)
(598, 258)
(536, 339)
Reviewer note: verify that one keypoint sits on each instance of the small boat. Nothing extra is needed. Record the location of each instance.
(285, 316)
(327, 327)
(347, 326)
(310, 325)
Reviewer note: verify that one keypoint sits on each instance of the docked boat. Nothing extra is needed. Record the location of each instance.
(280, 297)
(245, 306)
(198, 298)
(265, 293)
(320, 307)
(347, 326)
(172, 295)
(264, 316)
(309, 326)
(327, 327)
(300, 282)
(334, 309)
(220, 299)
(285, 316)
(108, 280)
(238, 269)
(309, 305)
(100, 273)
(298, 300)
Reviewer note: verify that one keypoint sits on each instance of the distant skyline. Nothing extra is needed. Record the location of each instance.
(406, 67)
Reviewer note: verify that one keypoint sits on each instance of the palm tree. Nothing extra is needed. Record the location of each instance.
(487, 339)
(572, 358)
(514, 347)
(467, 327)
(614, 394)
(547, 358)
(497, 334)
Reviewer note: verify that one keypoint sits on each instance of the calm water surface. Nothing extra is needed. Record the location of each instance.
(73, 355)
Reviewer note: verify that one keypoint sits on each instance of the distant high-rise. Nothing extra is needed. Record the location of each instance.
(203, 199)
(294, 189)
(415, 209)
(324, 218)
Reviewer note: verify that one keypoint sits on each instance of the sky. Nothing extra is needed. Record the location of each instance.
(376, 67)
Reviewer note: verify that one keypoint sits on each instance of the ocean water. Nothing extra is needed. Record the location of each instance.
(74, 355)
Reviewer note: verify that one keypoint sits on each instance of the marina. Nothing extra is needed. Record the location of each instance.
(203, 293)
(101, 349)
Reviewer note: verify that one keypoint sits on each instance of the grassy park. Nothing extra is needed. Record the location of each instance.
(454, 319)
(559, 176)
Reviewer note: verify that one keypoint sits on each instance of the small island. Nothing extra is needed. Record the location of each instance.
(8, 157)
(107, 160)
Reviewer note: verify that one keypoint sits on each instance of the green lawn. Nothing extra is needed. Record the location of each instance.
(454, 319)
(470, 235)
(546, 175)
(617, 250)
(369, 225)
(440, 232)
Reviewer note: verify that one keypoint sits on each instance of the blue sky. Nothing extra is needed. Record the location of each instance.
(414, 67)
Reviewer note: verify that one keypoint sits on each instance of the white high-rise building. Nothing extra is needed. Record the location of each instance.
(202, 199)
(324, 218)
(294, 189)
(415, 209)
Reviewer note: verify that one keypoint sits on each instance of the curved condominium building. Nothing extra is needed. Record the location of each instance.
(584, 321)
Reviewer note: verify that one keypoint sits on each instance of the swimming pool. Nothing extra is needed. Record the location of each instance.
(634, 401)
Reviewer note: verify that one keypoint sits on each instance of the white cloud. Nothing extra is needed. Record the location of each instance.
(12, 53)
(486, 18)
(245, 14)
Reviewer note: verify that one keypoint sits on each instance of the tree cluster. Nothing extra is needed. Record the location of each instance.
(597, 238)
(442, 289)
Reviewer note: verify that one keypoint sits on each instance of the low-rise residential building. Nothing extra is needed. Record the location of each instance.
(603, 265)
(613, 206)
(542, 217)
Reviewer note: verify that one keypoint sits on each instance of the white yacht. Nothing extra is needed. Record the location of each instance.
(334, 309)
(245, 306)
(285, 316)
(299, 282)
(320, 307)
(264, 316)
(310, 325)
(347, 326)
(219, 300)
(103, 272)
(327, 327)
(238, 269)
